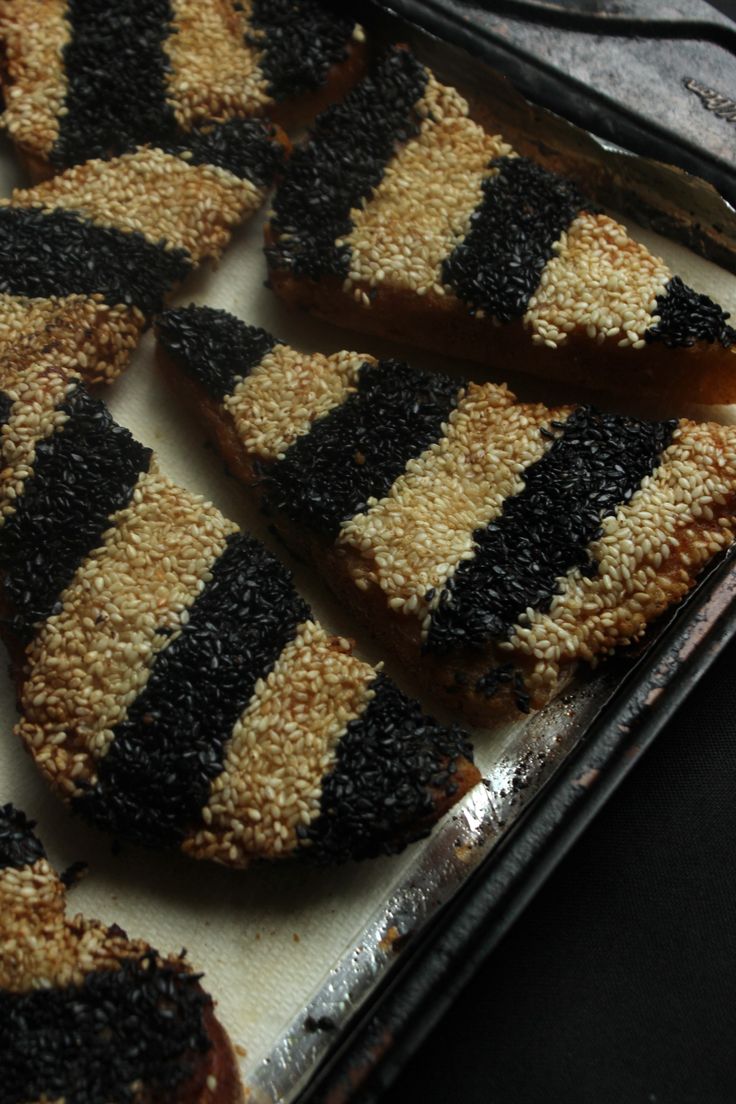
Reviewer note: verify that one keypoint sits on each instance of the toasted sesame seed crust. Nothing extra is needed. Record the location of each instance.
(155, 779)
(536, 276)
(127, 600)
(34, 34)
(132, 589)
(411, 541)
(212, 73)
(594, 463)
(85, 333)
(343, 161)
(396, 560)
(422, 207)
(648, 556)
(82, 474)
(218, 356)
(281, 748)
(33, 898)
(37, 392)
(140, 220)
(601, 282)
(88, 79)
(358, 449)
(135, 1017)
(279, 400)
(375, 798)
(190, 207)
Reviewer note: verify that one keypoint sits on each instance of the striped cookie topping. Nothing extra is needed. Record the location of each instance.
(496, 543)
(359, 447)
(87, 1014)
(400, 214)
(85, 79)
(174, 688)
(81, 474)
(87, 257)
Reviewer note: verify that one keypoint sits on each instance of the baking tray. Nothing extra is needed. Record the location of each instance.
(327, 978)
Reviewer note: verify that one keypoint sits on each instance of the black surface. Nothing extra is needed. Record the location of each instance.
(618, 984)
(623, 78)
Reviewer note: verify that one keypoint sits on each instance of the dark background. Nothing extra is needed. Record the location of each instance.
(618, 984)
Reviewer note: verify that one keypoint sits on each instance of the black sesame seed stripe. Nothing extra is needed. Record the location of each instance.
(597, 462)
(359, 448)
(686, 317)
(212, 346)
(19, 845)
(115, 65)
(6, 404)
(56, 252)
(155, 778)
(299, 40)
(379, 795)
(142, 1023)
(244, 147)
(498, 265)
(82, 475)
(344, 159)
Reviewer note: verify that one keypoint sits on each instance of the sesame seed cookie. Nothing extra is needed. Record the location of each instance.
(493, 544)
(88, 1014)
(400, 215)
(174, 688)
(87, 257)
(86, 78)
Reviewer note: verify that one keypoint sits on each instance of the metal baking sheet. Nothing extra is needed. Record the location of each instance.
(295, 956)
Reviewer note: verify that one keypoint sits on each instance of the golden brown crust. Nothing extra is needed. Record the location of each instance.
(689, 530)
(400, 635)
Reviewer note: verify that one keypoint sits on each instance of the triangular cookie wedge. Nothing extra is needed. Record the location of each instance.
(492, 544)
(87, 1013)
(174, 688)
(88, 257)
(401, 216)
(84, 80)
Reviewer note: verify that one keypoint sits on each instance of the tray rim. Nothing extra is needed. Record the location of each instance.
(543, 85)
(432, 972)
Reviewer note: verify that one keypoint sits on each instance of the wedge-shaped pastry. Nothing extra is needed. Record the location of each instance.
(88, 1015)
(87, 78)
(174, 687)
(492, 543)
(402, 216)
(86, 258)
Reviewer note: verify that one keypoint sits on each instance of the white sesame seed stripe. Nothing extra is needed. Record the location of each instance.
(41, 948)
(34, 34)
(281, 398)
(192, 207)
(422, 207)
(411, 541)
(88, 335)
(37, 390)
(649, 555)
(600, 284)
(30, 898)
(281, 748)
(213, 73)
(127, 600)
